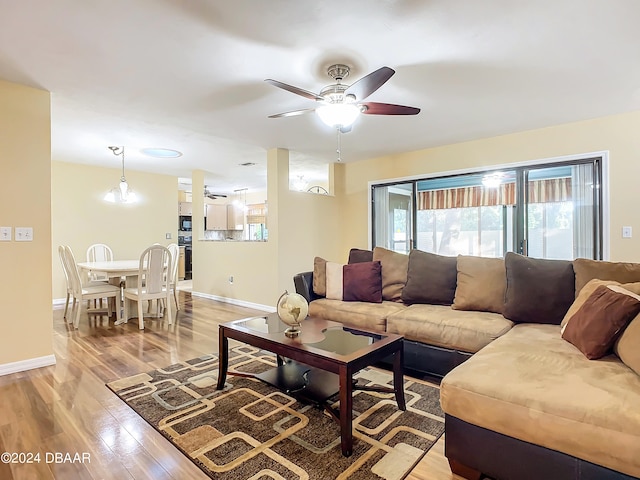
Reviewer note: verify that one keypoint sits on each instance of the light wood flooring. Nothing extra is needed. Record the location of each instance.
(67, 409)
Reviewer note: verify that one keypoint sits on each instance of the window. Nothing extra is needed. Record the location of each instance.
(546, 211)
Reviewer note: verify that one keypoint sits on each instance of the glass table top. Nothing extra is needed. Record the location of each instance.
(337, 339)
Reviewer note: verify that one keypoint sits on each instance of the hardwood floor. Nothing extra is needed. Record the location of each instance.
(82, 430)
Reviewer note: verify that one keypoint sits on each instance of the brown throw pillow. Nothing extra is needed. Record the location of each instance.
(481, 284)
(589, 288)
(394, 272)
(596, 325)
(627, 347)
(431, 278)
(357, 255)
(320, 276)
(619, 271)
(362, 282)
(538, 290)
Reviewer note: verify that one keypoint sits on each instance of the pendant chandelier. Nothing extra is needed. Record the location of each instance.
(122, 193)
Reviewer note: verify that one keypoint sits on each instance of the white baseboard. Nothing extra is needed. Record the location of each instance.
(22, 365)
(60, 301)
(235, 301)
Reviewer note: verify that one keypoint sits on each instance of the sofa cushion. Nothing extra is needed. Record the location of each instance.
(538, 290)
(362, 282)
(334, 280)
(627, 346)
(394, 272)
(369, 316)
(442, 326)
(595, 326)
(431, 278)
(532, 385)
(589, 269)
(320, 276)
(481, 284)
(357, 255)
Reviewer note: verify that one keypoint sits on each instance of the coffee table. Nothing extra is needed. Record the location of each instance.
(318, 364)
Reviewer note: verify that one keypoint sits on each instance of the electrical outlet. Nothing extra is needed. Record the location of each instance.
(24, 234)
(5, 234)
(627, 232)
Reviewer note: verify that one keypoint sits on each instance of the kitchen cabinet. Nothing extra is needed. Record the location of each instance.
(185, 208)
(235, 217)
(217, 217)
(181, 263)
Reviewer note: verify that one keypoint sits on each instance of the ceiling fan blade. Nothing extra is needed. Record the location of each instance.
(296, 90)
(375, 108)
(293, 113)
(370, 83)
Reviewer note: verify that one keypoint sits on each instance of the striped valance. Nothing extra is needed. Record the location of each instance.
(540, 191)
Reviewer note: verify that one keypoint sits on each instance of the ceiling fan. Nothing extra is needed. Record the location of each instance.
(341, 104)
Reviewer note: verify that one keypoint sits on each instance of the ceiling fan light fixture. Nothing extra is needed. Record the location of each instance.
(338, 114)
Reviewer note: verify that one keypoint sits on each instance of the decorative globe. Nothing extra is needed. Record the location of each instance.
(292, 309)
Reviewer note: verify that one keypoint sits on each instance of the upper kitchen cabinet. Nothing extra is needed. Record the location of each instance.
(217, 217)
(235, 217)
(185, 208)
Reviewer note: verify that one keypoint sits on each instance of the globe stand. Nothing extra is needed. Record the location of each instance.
(293, 331)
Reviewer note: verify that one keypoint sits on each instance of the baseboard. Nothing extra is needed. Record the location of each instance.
(235, 301)
(60, 301)
(22, 365)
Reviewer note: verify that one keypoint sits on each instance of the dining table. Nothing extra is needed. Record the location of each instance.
(114, 270)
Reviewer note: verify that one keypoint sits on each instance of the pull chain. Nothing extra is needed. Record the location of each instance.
(339, 148)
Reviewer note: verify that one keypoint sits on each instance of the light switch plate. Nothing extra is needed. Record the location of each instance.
(627, 232)
(5, 234)
(167, 236)
(24, 234)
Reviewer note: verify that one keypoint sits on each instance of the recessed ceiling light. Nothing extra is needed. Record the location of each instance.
(161, 153)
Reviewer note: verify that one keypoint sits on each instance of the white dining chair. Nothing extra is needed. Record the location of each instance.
(153, 283)
(99, 252)
(93, 291)
(173, 278)
(61, 254)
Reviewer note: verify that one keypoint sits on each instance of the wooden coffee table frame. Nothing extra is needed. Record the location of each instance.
(345, 366)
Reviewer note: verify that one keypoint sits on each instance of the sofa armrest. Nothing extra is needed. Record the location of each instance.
(304, 285)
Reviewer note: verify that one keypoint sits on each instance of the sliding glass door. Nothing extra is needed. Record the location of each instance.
(545, 211)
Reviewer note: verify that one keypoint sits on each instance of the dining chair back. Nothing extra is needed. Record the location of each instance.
(99, 252)
(153, 283)
(173, 277)
(93, 291)
(67, 280)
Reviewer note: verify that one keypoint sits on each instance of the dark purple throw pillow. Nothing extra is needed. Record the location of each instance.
(362, 282)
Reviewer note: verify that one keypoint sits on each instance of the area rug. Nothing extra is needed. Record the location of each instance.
(250, 430)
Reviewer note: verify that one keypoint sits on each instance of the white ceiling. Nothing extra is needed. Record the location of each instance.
(188, 74)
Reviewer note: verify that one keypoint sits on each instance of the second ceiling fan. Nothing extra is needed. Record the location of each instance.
(341, 104)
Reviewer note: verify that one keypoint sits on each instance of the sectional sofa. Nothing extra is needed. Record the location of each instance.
(540, 358)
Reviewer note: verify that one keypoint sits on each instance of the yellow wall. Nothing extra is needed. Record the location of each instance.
(81, 217)
(618, 134)
(25, 201)
(301, 226)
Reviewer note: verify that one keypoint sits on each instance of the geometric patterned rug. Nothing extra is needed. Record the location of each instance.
(252, 431)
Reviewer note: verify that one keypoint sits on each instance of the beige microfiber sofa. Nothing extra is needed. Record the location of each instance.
(522, 402)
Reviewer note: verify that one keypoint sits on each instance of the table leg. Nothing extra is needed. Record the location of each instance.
(346, 411)
(398, 377)
(223, 360)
